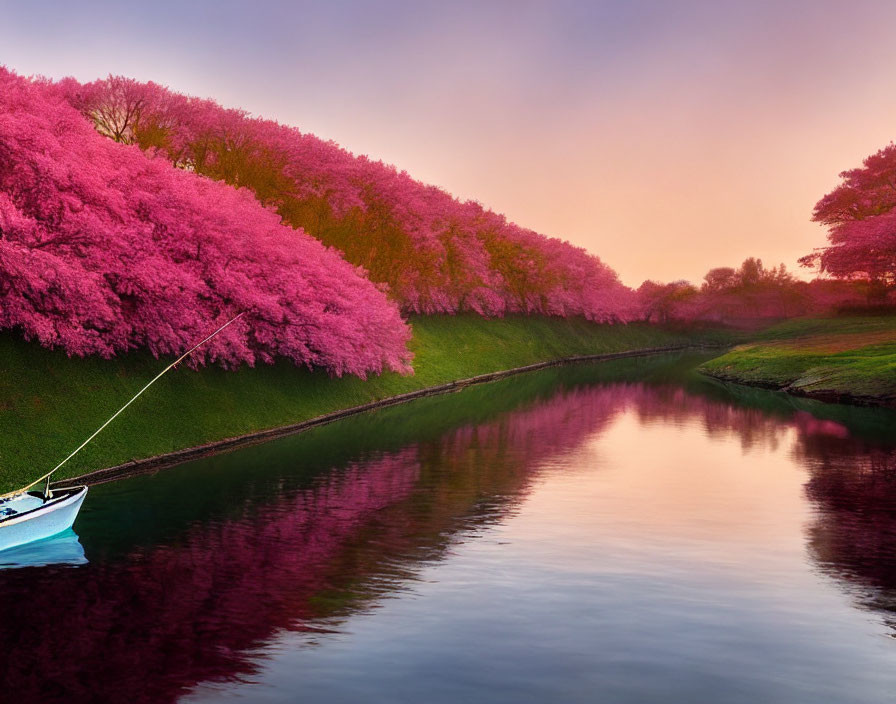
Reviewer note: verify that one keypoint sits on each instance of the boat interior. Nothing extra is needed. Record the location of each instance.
(24, 503)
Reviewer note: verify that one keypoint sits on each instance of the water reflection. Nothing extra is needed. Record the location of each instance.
(850, 456)
(194, 571)
(62, 549)
(853, 539)
(195, 602)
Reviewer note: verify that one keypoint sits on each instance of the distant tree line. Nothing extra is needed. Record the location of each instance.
(748, 292)
(857, 267)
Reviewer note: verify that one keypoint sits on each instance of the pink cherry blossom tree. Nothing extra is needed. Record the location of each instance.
(105, 249)
(861, 220)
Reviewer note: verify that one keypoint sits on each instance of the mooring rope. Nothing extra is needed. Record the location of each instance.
(46, 477)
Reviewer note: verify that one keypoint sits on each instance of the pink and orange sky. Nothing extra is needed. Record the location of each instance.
(666, 137)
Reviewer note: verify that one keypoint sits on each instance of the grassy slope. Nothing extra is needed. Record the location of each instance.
(50, 403)
(834, 358)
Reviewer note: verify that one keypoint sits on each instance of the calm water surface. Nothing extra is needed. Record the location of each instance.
(624, 532)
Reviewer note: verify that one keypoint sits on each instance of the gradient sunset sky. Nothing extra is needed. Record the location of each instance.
(666, 137)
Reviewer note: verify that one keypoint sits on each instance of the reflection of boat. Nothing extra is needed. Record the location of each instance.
(26, 516)
(34, 516)
(61, 549)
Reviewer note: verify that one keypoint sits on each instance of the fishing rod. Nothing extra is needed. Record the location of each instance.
(47, 493)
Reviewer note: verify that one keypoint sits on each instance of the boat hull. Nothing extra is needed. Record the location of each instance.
(37, 522)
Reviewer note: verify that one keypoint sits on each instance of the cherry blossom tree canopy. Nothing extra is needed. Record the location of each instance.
(435, 253)
(104, 249)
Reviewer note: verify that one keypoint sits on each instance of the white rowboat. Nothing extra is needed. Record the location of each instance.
(29, 517)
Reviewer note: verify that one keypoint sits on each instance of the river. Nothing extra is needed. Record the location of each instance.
(616, 532)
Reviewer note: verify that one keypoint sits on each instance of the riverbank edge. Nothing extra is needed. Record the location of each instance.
(157, 463)
(846, 359)
(824, 395)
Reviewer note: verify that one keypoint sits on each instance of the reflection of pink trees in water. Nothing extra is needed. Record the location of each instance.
(161, 619)
(853, 538)
(168, 616)
(851, 482)
(176, 614)
(753, 427)
(546, 428)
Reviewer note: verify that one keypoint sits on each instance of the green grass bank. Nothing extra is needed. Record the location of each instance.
(848, 359)
(50, 403)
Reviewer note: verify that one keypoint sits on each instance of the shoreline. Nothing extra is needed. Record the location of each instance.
(51, 402)
(150, 465)
(845, 359)
(823, 395)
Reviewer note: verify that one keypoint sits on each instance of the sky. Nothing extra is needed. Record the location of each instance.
(665, 137)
